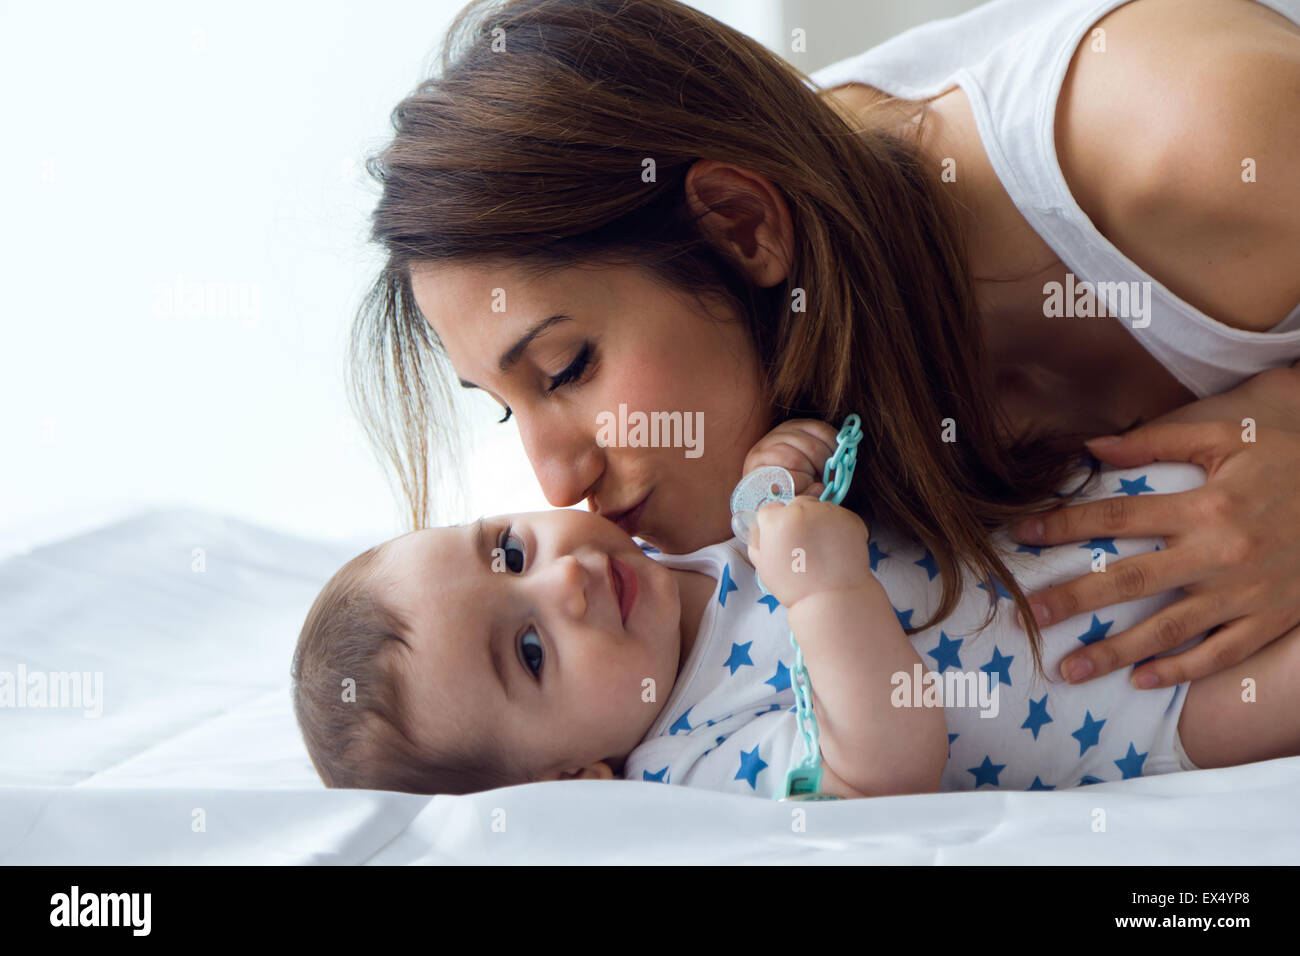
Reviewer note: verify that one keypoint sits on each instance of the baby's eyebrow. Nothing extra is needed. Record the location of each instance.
(480, 547)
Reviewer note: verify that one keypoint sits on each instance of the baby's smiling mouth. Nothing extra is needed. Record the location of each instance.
(624, 584)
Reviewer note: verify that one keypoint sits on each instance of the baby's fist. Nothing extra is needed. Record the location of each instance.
(801, 446)
(808, 546)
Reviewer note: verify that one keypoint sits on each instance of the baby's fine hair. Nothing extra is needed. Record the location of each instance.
(349, 703)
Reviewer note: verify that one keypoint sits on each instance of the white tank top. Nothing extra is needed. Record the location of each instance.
(1010, 58)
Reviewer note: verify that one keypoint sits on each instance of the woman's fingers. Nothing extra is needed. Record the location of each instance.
(1128, 580)
(1204, 443)
(1130, 515)
(1229, 645)
(1163, 631)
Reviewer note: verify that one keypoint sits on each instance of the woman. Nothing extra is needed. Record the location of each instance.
(600, 204)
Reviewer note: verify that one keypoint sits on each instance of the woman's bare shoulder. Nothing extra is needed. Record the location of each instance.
(1173, 136)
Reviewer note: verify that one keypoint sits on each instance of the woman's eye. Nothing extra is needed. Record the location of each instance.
(531, 651)
(513, 550)
(574, 371)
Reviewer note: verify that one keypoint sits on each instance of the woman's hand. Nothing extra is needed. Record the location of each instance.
(801, 446)
(1234, 547)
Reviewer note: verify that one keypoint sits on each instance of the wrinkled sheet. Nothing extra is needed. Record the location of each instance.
(196, 758)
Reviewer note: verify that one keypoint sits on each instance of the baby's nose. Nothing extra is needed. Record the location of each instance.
(573, 582)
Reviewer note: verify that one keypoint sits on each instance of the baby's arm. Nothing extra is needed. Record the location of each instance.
(813, 557)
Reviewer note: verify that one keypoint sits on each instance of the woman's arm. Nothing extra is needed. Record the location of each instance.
(1203, 198)
(1270, 399)
(1202, 194)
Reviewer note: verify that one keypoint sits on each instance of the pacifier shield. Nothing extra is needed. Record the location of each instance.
(769, 483)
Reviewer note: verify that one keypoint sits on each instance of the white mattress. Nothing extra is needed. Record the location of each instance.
(196, 717)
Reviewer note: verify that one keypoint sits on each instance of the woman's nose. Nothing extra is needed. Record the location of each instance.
(565, 458)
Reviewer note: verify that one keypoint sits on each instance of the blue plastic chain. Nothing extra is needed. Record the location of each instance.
(773, 483)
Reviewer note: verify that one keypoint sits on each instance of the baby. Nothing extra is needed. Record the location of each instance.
(553, 646)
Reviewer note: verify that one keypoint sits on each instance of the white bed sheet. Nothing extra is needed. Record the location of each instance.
(196, 717)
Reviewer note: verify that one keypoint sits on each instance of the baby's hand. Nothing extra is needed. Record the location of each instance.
(801, 446)
(809, 546)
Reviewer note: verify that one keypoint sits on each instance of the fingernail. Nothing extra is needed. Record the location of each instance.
(1033, 531)
(1041, 614)
(1102, 441)
(1078, 670)
(1145, 680)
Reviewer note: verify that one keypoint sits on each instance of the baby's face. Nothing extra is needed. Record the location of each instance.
(541, 627)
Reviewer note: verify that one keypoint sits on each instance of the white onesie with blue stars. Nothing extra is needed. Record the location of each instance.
(729, 722)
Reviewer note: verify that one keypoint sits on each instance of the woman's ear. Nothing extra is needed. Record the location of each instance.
(745, 215)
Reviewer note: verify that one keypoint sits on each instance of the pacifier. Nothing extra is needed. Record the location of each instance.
(768, 483)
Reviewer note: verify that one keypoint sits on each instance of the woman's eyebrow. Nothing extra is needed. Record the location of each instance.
(513, 354)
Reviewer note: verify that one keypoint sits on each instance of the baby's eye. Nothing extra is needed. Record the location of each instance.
(531, 652)
(513, 549)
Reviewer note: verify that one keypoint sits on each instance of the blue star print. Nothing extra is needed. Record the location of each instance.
(1135, 486)
(927, 562)
(999, 665)
(1002, 592)
(904, 617)
(726, 586)
(1096, 632)
(1037, 715)
(987, 772)
(657, 777)
(1090, 780)
(739, 656)
(1089, 733)
(951, 738)
(682, 723)
(874, 554)
(1039, 785)
(945, 654)
(1101, 544)
(1131, 765)
(751, 765)
(1029, 549)
(781, 679)
(771, 602)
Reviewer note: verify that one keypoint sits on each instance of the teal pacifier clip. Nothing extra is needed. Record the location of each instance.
(774, 483)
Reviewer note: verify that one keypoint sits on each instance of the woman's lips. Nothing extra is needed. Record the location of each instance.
(629, 520)
(625, 587)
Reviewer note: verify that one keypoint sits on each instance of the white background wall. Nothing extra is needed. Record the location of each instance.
(156, 149)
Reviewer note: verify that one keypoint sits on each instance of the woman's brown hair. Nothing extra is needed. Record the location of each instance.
(529, 146)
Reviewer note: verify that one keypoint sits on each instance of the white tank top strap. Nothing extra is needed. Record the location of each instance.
(1010, 57)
